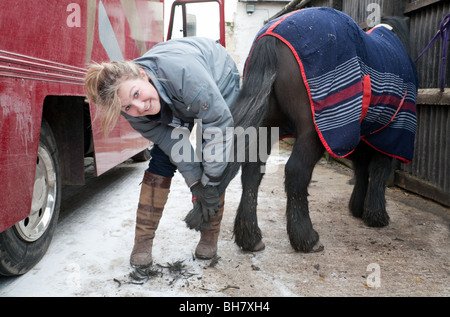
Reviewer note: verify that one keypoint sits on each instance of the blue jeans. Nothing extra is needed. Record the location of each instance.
(160, 163)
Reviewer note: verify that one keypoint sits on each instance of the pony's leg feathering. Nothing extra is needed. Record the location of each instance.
(247, 234)
(372, 170)
(375, 214)
(298, 172)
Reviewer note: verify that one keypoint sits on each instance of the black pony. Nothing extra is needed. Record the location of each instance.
(278, 91)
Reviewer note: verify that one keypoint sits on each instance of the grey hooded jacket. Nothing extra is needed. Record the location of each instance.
(198, 81)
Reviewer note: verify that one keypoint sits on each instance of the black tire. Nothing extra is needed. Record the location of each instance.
(24, 244)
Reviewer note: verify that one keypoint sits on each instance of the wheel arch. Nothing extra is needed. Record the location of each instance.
(69, 120)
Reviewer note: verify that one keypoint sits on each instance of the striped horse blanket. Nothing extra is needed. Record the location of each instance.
(361, 85)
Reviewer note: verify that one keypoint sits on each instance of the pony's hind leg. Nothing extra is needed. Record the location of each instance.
(360, 160)
(375, 214)
(246, 231)
(298, 171)
(293, 100)
(247, 234)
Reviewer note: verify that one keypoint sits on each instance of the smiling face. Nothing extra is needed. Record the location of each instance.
(138, 97)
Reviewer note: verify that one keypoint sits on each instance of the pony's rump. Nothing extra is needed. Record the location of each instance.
(361, 86)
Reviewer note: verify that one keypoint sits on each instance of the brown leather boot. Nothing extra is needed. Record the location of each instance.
(207, 246)
(154, 192)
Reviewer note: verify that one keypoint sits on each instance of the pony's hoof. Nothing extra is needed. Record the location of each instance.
(377, 223)
(318, 247)
(376, 220)
(308, 247)
(259, 246)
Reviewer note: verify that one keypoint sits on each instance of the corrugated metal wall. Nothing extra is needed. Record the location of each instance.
(424, 22)
(429, 173)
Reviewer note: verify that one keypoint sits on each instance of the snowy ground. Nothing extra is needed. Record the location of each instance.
(89, 255)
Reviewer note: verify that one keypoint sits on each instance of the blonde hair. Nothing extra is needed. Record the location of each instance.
(101, 86)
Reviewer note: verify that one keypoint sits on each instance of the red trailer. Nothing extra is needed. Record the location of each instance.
(47, 129)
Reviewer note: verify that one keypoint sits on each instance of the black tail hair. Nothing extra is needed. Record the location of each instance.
(250, 106)
(260, 73)
(400, 28)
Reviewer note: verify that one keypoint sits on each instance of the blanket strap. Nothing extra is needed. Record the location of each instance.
(367, 95)
(395, 114)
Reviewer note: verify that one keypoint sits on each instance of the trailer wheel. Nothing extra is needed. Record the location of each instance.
(24, 244)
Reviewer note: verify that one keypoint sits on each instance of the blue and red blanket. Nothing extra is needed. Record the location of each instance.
(362, 85)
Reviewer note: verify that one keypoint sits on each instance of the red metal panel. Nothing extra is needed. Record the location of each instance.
(45, 49)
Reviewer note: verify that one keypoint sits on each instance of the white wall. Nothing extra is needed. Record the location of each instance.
(242, 28)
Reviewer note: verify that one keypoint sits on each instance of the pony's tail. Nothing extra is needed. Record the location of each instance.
(249, 108)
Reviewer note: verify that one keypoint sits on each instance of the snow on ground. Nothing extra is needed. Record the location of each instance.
(89, 254)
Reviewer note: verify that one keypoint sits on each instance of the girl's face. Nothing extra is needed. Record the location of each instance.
(139, 97)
